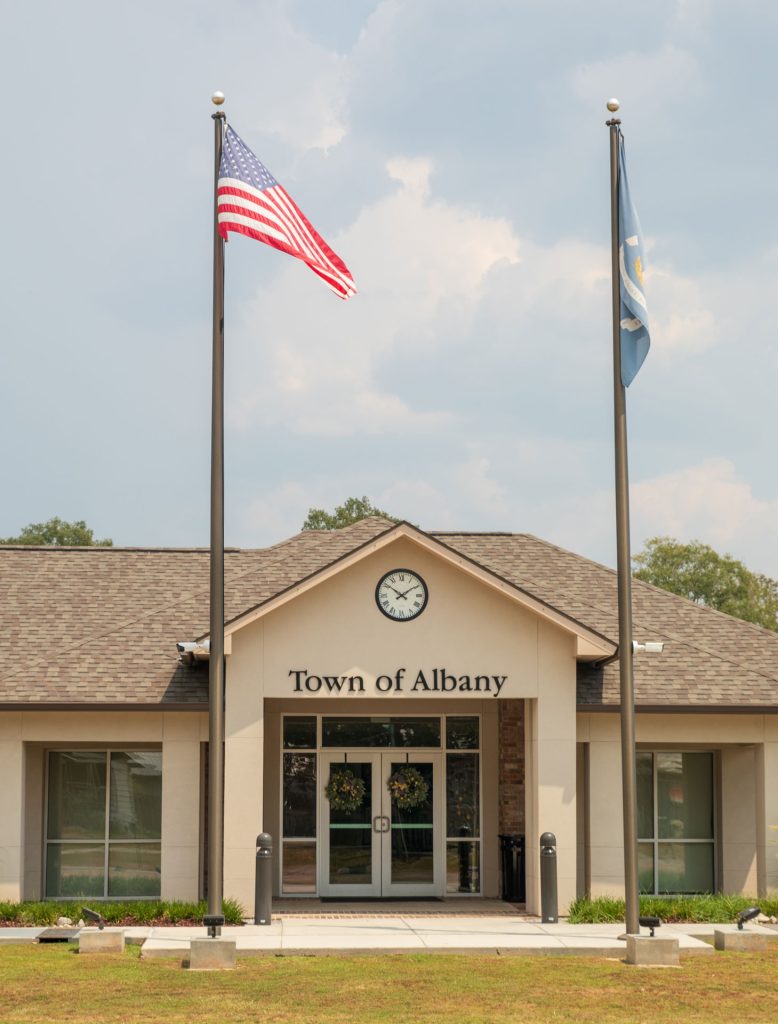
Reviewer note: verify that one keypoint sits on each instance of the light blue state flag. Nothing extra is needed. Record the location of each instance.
(635, 335)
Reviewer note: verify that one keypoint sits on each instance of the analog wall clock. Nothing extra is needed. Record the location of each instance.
(401, 595)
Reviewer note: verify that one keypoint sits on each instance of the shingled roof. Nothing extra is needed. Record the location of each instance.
(98, 626)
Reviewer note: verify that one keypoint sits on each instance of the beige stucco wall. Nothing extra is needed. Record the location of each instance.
(767, 804)
(24, 738)
(11, 806)
(335, 629)
(550, 751)
(747, 750)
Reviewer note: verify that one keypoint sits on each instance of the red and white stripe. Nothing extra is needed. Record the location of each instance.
(271, 216)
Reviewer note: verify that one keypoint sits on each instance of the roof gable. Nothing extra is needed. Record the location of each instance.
(589, 644)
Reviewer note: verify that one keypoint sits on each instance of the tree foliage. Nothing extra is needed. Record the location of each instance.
(702, 575)
(58, 533)
(351, 511)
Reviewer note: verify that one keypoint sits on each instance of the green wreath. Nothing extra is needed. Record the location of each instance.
(408, 788)
(345, 791)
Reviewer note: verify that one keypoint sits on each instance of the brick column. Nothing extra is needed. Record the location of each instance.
(511, 767)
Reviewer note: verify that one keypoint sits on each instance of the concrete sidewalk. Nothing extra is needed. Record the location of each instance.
(355, 934)
(368, 935)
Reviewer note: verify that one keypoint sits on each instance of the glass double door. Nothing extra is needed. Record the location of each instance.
(381, 824)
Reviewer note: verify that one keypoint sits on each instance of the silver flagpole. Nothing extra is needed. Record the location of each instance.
(623, 562)
(216, 659)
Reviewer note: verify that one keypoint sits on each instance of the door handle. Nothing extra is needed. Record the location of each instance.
(376, 819)
(385, 819)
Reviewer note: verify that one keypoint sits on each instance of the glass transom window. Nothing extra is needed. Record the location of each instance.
(104, 814)
(353, 731)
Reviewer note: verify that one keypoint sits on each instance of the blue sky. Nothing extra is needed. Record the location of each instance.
(456, 156)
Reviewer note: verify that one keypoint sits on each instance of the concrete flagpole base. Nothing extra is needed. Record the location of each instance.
(645, 951)
(732, 940)
(212, 955)
(109, 940)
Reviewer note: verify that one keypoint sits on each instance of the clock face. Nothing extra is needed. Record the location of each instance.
(401, 595)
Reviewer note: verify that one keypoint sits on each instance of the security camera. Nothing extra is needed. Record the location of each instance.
(650, 647)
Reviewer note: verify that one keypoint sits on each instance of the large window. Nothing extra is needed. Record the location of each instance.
(104, 811)
(676, 837)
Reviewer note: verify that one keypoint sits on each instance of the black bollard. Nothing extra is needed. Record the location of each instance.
(263, 882)
(548, 887)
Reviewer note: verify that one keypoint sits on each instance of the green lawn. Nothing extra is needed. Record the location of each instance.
(52, 983)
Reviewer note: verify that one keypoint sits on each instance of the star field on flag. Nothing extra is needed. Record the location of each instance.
(251, 202)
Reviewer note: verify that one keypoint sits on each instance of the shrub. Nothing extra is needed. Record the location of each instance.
(130, 912)
(714, 908)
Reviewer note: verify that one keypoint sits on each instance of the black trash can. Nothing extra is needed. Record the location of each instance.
(512, 855)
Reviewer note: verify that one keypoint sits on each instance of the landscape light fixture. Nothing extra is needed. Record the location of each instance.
(213, 922)
(650, 647)
(650, 922)
(747, 915)
(93, 917)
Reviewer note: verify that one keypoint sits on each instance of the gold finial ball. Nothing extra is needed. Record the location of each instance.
(612, 104)
(217, 99)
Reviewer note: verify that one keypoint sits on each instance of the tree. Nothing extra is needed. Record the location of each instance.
(351, 511)
(58, 533)
(699, 573)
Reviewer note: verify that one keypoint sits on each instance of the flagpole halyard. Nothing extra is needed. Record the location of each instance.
(624, 560)
(216, 659)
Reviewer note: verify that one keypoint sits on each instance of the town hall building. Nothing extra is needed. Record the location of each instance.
(396, 701)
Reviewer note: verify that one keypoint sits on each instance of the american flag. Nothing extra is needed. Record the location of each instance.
(250, 201)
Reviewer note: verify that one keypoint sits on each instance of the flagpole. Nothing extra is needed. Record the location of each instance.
(623, 561)
(216, 659)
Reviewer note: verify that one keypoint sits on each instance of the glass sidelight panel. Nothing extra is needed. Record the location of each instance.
(299, 796)
(350, 832)
(413, 832)
(299, 871)
(462, 802)
(463, 867)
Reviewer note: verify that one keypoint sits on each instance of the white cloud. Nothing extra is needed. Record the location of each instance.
(293, 86)
(711, 503)
(419, 263)
(681, 322)
(472, 483)
(276, 515)
(692, 14)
